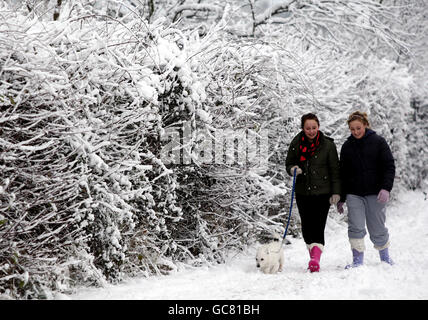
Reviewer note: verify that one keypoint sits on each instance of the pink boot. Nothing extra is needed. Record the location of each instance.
(315, 254)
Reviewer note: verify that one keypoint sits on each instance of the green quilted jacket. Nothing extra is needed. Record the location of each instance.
(320, 173)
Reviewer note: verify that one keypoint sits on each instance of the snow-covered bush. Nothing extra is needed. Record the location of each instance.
(413, 26)
(83, 105)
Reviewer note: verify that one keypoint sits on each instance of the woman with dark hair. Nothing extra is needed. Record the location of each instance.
(314, 157)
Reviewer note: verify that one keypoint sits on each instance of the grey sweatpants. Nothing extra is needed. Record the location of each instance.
(362, 210)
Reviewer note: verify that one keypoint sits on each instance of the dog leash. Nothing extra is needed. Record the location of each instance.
(291, 206)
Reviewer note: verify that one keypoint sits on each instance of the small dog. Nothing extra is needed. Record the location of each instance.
(270, 257)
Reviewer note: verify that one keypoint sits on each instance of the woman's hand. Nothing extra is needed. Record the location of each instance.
(298, 170)
(383, 196)
(334, 199)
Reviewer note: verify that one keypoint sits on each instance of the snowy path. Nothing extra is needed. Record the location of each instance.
(407, 221)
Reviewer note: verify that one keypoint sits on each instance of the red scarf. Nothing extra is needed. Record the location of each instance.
(307, 149)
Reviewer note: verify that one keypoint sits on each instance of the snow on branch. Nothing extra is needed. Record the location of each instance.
(196, 7)
(277, 8)
(335, 19)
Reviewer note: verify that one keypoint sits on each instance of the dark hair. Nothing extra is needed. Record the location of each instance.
(309, 116)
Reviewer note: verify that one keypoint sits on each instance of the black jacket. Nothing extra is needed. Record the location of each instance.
(366, 165)
(321, 172)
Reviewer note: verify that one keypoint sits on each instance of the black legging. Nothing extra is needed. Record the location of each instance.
(313, 212)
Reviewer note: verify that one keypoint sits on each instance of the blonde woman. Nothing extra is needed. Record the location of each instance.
(367, 173)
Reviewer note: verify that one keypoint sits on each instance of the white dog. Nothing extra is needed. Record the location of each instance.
(270, 257)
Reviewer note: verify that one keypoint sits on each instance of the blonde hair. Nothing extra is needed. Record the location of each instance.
(360, 116)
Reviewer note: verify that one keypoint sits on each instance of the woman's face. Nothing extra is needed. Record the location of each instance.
(310, 128)
(357, 128)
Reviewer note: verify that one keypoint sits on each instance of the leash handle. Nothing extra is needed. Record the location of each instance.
(291, 204)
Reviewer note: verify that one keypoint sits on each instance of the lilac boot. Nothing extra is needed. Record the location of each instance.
(358, 259)
(384, 256)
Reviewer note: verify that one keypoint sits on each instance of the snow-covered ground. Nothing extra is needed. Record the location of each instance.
(238, 278)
